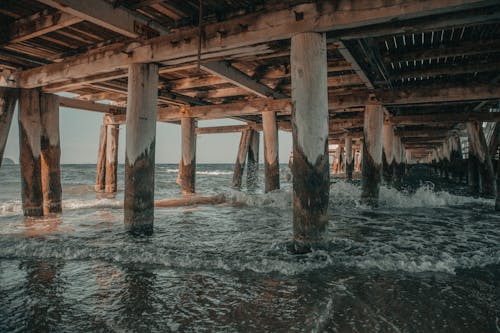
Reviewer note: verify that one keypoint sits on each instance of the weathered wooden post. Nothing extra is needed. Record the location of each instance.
(271, 148)
(349, 160)
(239, 165)
(140, 147)
(8, 99)
(50, 154)
(29, 151)
(487, 182)
(388, 152)
(372, 154)
(112, 136)
(100, 178)
(497, 201)
(253, 160)
(187, 167)
(397, 151)
(311, 176)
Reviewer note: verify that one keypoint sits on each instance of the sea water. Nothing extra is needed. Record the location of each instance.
(426, 260)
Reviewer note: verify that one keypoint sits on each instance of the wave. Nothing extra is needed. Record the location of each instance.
(279, 263)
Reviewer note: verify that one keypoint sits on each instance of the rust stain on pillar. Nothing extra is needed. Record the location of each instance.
(271, 152)
(101, 161)
(112, 135)
(50, 154)
(187, 167)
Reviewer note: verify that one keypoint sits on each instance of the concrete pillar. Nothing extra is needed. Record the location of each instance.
(477, 143)
(100, 179)
(8, 99)
(271, 149)
(372, 154)
(388, 152)
(311, 176)
(140, 148)
(29, 152)
(187, 167)
(112, 135)
(239, 164)
(50, 154)
(253, 160)
(349, 160)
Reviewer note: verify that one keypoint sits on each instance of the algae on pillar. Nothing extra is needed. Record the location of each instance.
(140, 148)
(50, 154)
(253, 160)
(29, 152)
(372, 154)
(187, 167)
(311, 177)
(8, 98)
(271, 161)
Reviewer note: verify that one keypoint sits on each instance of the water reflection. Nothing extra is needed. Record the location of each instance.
(44, 303)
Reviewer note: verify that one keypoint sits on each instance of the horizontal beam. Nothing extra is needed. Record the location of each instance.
(448, 70)
(104, 14)
(251, 29)
(465, 49)
(234, 76)
(90, 106)
(444, 118)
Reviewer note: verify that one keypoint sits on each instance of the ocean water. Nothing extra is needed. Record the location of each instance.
(426, 260)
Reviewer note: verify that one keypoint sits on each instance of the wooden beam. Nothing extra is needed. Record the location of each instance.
(450, 118)
(90, 106)
(102, 13)
(234, 76)
(37, 25)
(448, 70)
(344, 51)
(240, 32)
(465, 49)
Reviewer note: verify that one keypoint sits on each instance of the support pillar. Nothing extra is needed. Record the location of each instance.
(398, 160)
(8, 98)
(349, 160)
(388, 153)
(100, 179)
(487, 181)
(271, 148)
(50, 154)
(112, 134)
(187, 166)
(253, 160)
(239, 165)
(372, 154)
(29, 152)
(311, 176)
(140, 148)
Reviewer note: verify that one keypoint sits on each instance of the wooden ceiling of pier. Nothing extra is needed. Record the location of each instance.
(418, 58)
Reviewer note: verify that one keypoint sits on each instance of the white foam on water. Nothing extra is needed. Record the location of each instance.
(214, 173)
(278, 199)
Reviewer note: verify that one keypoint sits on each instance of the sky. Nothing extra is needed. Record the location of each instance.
(79, 131)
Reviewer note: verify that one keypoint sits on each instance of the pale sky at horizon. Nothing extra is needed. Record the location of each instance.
(79, 131)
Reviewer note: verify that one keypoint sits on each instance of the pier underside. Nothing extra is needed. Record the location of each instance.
(379, 85)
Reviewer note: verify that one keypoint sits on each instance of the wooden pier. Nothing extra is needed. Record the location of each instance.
(386, 84)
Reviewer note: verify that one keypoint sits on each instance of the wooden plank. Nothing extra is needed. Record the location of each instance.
(243, 31)
(102, 13)
(39, 24)
(449, 70)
